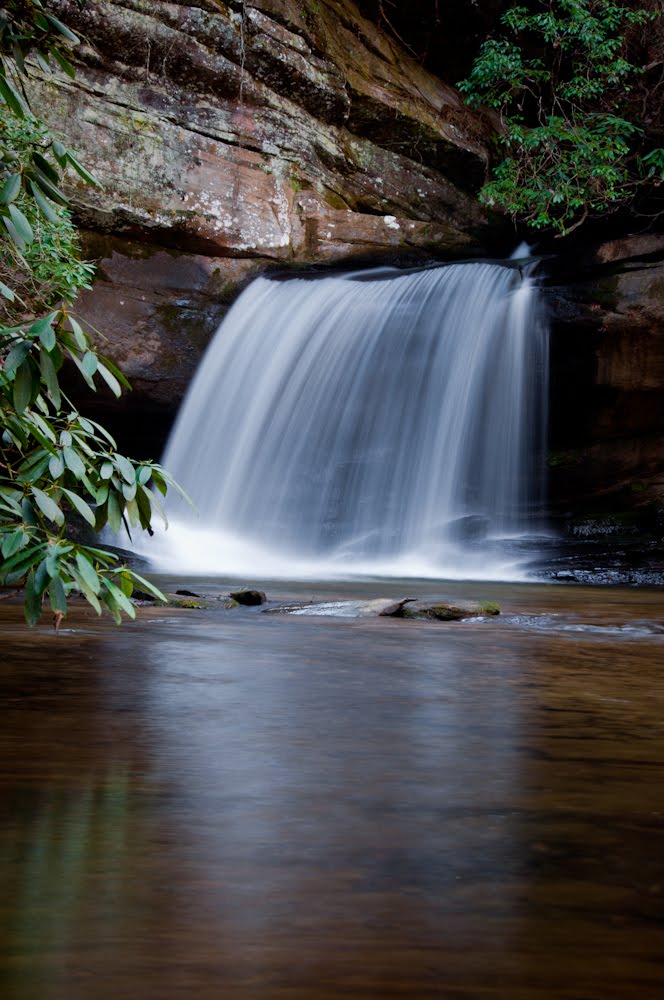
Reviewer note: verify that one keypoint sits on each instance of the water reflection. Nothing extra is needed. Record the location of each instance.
(255, 807)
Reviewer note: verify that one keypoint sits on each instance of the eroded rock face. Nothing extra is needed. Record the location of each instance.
(254, 129)
(244, 134)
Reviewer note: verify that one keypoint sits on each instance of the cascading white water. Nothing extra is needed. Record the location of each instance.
(377, 423)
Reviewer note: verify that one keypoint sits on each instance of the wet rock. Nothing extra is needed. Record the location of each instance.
(447, 612)
(186, 593)
(199, 603)
(249, 598)
(398, 610)
(382, 607)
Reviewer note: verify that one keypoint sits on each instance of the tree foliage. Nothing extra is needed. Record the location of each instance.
(558, 76)
(56, 466)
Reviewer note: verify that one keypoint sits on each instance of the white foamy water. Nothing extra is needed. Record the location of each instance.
(388, 426)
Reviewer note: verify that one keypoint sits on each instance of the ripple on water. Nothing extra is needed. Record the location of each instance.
(555, 623)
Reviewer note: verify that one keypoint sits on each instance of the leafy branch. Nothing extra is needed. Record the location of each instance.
(556, 77)
(57, 467)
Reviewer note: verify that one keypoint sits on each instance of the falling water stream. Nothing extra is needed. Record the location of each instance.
(378, 422)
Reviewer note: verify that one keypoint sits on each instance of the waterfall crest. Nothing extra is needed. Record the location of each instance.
(388, 425)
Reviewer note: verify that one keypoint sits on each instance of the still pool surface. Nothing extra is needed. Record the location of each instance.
(230, 804)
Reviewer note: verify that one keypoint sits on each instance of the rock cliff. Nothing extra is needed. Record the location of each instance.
(607, 417)
(233, 136)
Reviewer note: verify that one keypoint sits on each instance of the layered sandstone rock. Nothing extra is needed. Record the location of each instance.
(242, 135)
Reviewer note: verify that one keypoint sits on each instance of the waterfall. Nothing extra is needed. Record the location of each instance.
(382, 422)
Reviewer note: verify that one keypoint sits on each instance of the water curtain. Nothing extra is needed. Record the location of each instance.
(382, 422)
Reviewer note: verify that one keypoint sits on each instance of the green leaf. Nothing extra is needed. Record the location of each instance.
(88, 572)
(42, 576)
(159, 481)
(114, 370)
(125, 468)
(89, 363)
(103, 433)
(48, 506)
(49, 189)
(52, 561)
(131, 510)
(82, 172)
(14, 233)
(63, 63)
(112, 606)
(32, 605)
(11, 497)
(110, 380)
(119, 597)
(43, 326)
(149, 587)
(28, 513)
(60, 152)
(74, 462)
(57, 595)
(56, 466)
(50, 378)
(46, 168)
(81, 506)
(19, 564)
(84, 588)
(23, 227)
(62, 28)
(7, 292)
(42, 430)
(114, 513)
(42, 60)
(11, 97)
(144, 507)
(17, 356)
(106, 470)
(23, 386)
(10, 189)
(79, 336)
(43, 204)
(157, 505)
(78, 364)
(101, 496)
(14, 542)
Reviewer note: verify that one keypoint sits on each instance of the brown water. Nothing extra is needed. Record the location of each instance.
(247, 806)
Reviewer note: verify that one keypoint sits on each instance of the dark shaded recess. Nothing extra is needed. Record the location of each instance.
(444, 35)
